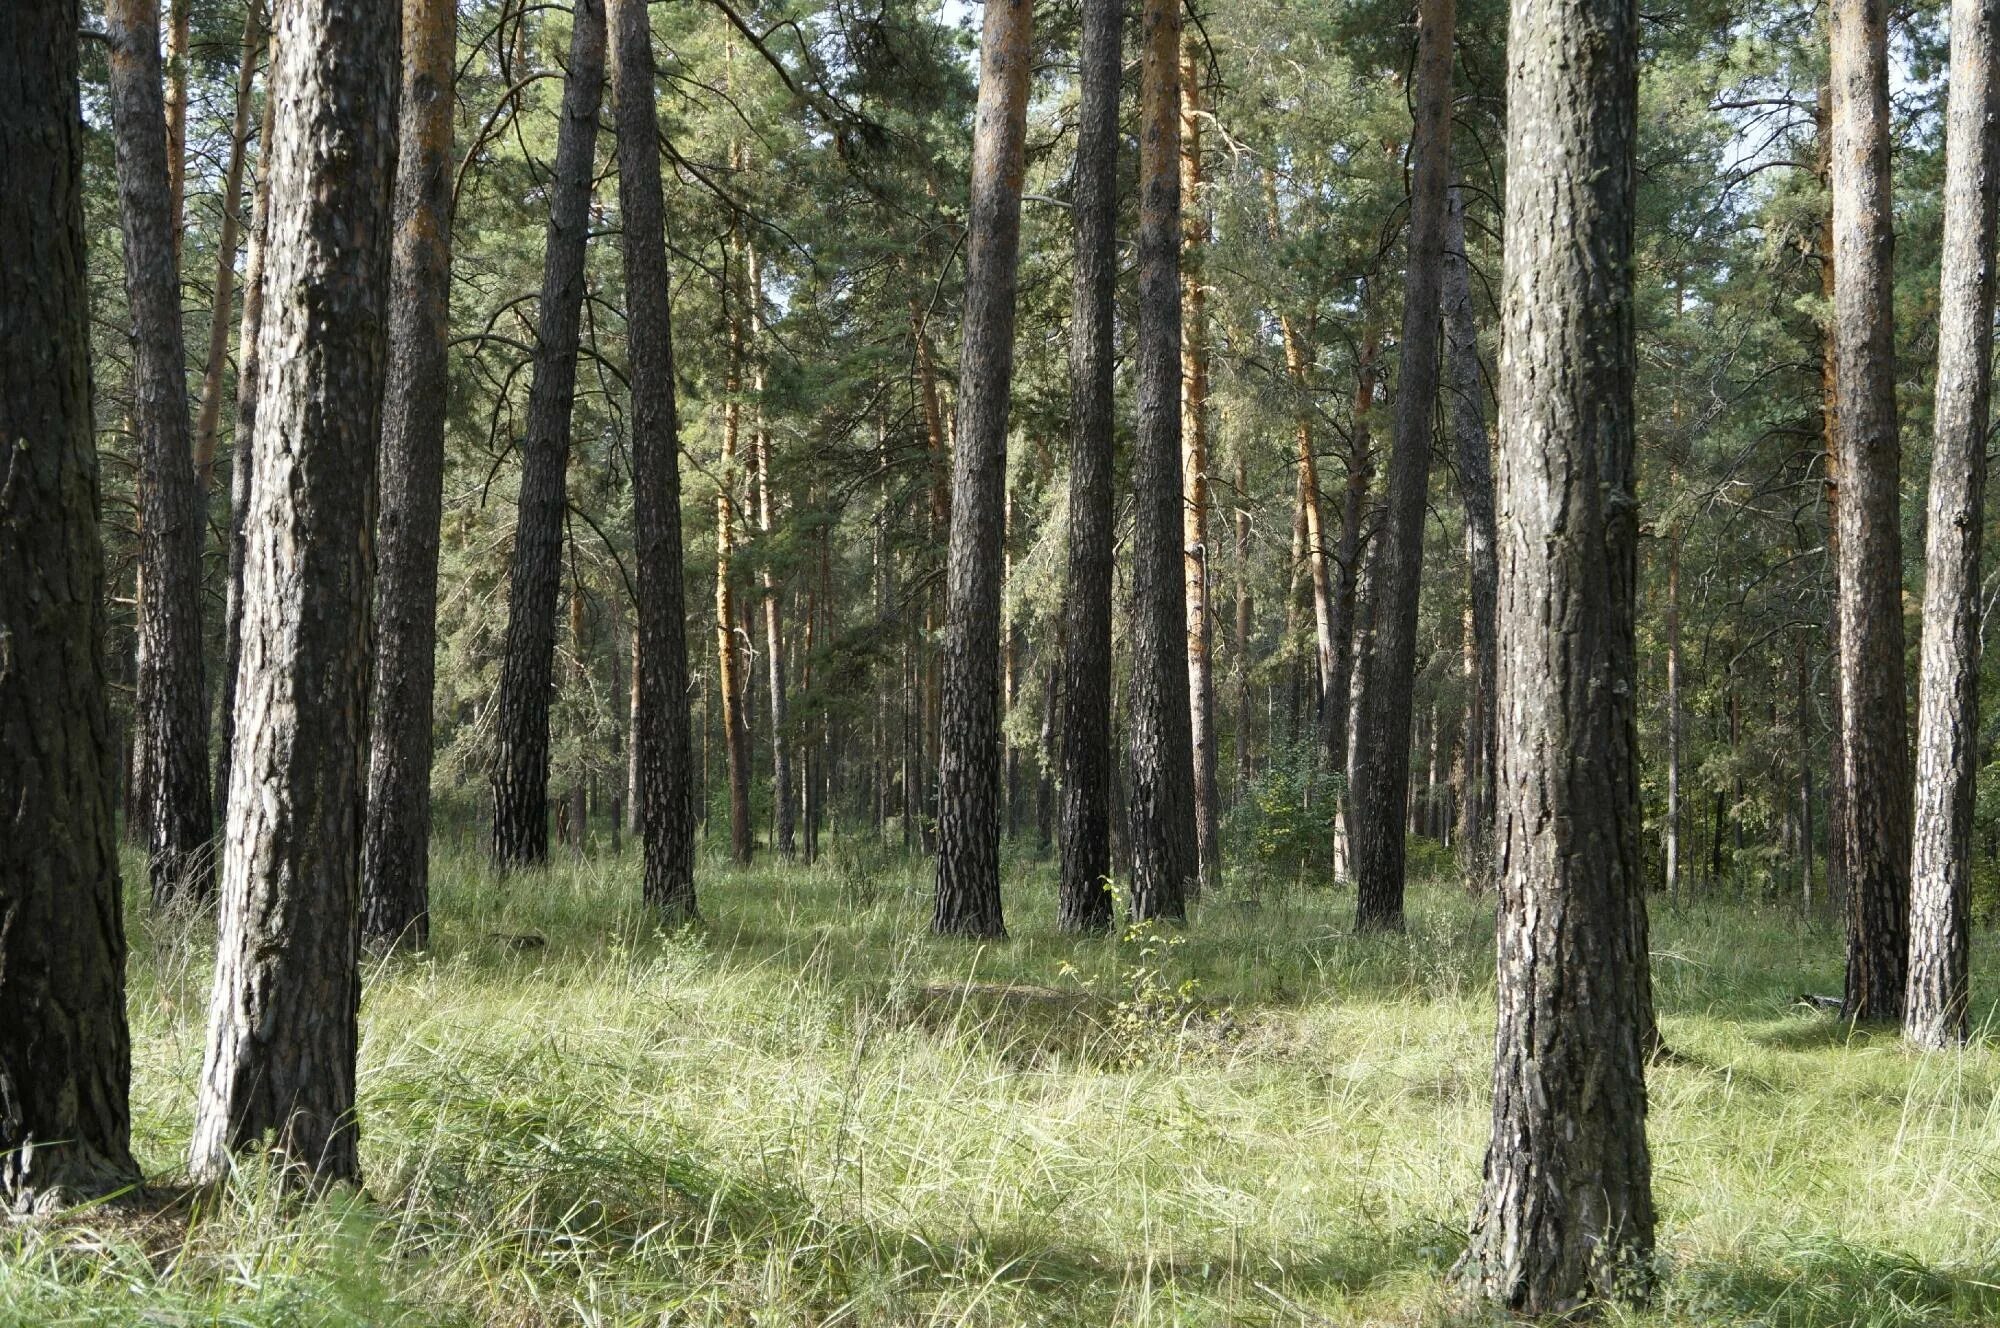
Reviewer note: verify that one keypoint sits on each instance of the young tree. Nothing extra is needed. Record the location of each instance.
(968, 856)
(1875, 772)
(521, 768)
(283, 1017)
(1194, 476)
(172, 698)
(1378, 783)
(1566, 1215)
(663, 795)
(1085, 833)
(1160, 798)
(65, 1055)
(1948, 704)
(395, 858)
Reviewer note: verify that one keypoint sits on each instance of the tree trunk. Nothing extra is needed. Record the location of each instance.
(208, 415)
(521, 767)
(1482, 567)
(1836, 783)
(280, 1063)
(1382, 747)
(1876, 766)
(663, 804)
(784, 814)
(968, 861)
(1084, 903)
(1344, 616)
(1566, 1215)
(1672, 831)
(731, 681)
(395, 858)
(65, 1053)
(1160, 798)
(1935, 1012)
(180, 14)
(1194, 478)
(173, 720)
(1240, 637)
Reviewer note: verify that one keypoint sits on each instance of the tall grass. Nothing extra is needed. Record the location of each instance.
(806, 1112)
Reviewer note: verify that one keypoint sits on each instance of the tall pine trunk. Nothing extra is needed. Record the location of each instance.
(784, 816)
(173, 719)
(969, 767)
(1566, 1215)
(1876, 761)
(1194, 478)
(208, 415)
(1084, 818)
(1482, 568)
(395, 859)
(1935, 1012)
(1380, 779)
(65, 1053)
(521, 769)
(283, 1019)
(663, 801)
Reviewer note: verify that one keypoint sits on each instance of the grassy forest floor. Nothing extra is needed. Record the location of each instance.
(808, 1113)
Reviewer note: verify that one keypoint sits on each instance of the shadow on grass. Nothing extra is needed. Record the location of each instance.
(1830, 1284)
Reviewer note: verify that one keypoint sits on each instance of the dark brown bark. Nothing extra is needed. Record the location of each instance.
(660, 741)
(1482, 569)
(395, 859)
(65, 1054)
(208, 415)
(1379, 778)
(521, 767)
(280, 1063)
(1876, 756)
(969, 768)
(1935, 1013)
(1566, 1215)
(1084, 787)
(173, 720)
(1194, 479)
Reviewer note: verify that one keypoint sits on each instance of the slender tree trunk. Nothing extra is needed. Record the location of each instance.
(1194, 478)
(1482, 567)
(662, 799)
(1675, 738)
(1344, 615)
(175, 68)
(1935, 1013)
(173, 722)
(1382, 747)
(208, 415)
(279, 1069)
(1876, 764)
(1084, 904)
(784, 816)
(731, 681)
(395, 857)
(1836, 783)
(1566, 1215)
(1160, 797)
(1240, 639)
(65, 1053)
(521, 767)
(968, 862)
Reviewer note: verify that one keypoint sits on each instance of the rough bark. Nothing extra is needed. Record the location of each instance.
(1380, 779)
(1935, 1013)
(173, 720)
(663, 795)
(1194, 479)
(1084, 904)
(1566, 1215)
(65, 1054)
(208, 415)
(521, 768)
(1160, 798)
(395, 859)
(1876, 763)
(279, 1068)
(969, 767)
(1482, 569)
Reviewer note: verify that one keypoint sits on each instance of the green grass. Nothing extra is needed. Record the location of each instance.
(809, 1113)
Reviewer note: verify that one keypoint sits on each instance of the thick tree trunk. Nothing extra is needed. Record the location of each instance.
(1084, 904)
(1935, 1013)
(208, 414)
(395, 859)
(280, 1063)
(173, 720)
(65, 1053)
(1876, 761)
(1482, 568)
(1566, 1215)
(1382, 746)
(663, 804)
(1160, 798)
(521, 767)
(968, 860)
